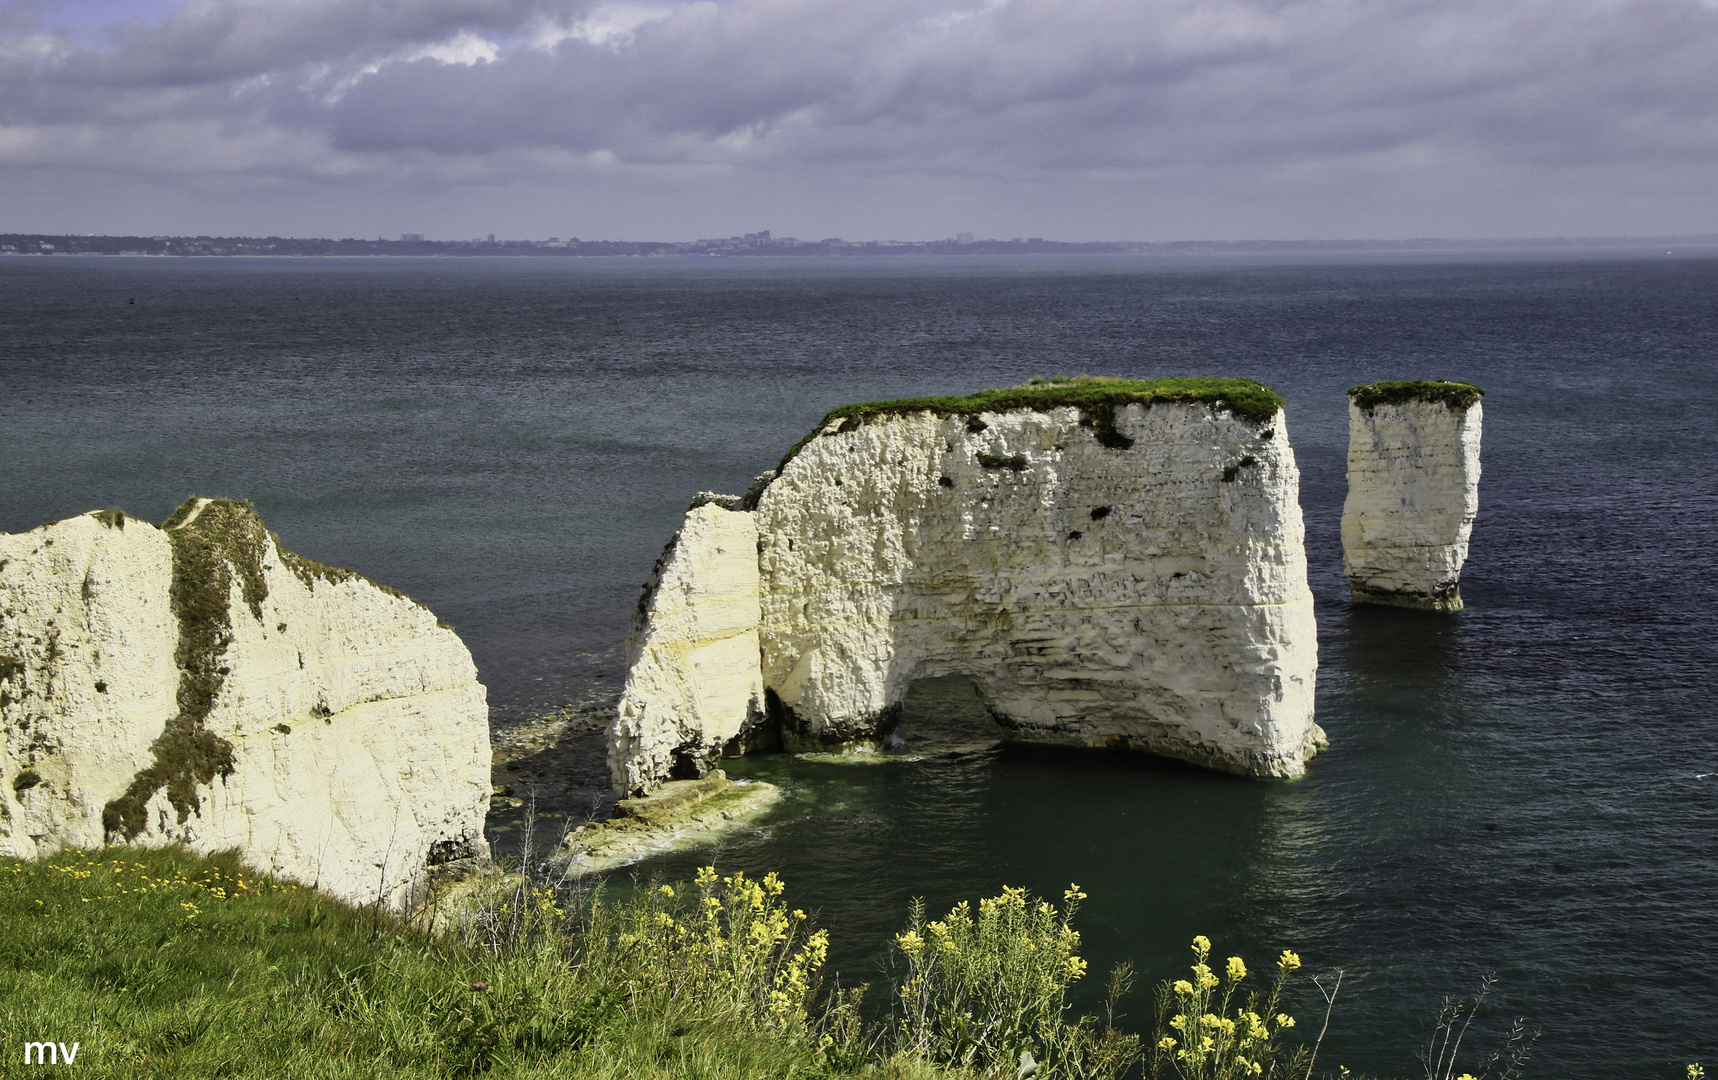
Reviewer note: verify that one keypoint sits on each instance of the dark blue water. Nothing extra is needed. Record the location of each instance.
(1529, 788)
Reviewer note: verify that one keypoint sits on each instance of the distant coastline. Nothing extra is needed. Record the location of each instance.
(765, 245)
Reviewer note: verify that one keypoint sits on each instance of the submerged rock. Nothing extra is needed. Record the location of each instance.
(678, 815)
(1413, 491)
(198, 683)
(1112, 563)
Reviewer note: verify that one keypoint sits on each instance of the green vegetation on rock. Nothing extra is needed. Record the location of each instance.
(1097, 397)
(310, 572)
(1454, 395)
(214, 541)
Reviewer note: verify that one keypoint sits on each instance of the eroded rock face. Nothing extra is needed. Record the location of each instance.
(1413, 493)
(197, 683)
(693, 682)
(1141, 584)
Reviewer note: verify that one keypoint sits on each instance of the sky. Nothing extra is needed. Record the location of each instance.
(863, 119)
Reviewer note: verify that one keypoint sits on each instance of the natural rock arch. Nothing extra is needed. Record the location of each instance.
(1116, 563)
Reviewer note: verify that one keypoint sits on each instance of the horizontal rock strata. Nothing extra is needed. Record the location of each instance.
(197, 683)
(1413, 492)
(1127, 576)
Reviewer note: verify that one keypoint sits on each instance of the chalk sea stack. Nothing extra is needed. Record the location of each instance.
(198, 683)
(1112, 562)
(1413, 491)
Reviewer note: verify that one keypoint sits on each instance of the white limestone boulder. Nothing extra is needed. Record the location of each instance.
(196, 683)
(1413, 492)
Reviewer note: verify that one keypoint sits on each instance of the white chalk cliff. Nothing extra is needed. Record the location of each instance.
(693, 682)
(197, 683)
(1413, 492)
(1129, 575)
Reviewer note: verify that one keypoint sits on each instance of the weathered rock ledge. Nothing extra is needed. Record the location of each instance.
(199, 684)
(1413, 492)
(678, 814)
(1112, 563)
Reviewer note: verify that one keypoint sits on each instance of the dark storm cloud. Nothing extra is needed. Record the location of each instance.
(1316, 94)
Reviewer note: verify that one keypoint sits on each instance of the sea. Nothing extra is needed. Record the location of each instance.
(1523, 795)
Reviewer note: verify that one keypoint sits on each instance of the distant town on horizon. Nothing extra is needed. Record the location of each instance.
(762, 244)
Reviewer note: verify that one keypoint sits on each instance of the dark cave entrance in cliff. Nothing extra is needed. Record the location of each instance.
(944, 715)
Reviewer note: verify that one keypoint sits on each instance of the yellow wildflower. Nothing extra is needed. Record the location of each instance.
(1237, 969)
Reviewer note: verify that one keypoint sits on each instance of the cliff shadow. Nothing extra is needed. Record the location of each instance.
(945, 714)
(1397, 646)
(1392, 661)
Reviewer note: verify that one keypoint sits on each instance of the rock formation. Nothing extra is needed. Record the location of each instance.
(1113, 563)
(1413, 491)
(693, 682)
(198, 683)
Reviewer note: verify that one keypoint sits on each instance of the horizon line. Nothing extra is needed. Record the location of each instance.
(25, 243)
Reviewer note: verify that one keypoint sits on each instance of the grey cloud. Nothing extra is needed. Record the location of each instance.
(1020, 82)
(1302, 92)
(221, 41)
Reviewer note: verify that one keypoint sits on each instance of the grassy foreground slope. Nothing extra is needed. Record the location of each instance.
(165, 964)
(160, 963)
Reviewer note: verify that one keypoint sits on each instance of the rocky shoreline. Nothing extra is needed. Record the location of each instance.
(551, 779)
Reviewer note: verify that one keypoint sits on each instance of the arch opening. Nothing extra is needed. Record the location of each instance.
(945, 714)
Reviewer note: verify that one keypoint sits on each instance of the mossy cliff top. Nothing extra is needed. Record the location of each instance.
(1096, 396)
(1458, 396)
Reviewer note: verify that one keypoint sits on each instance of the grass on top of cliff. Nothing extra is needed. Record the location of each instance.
(1095, 395)
(1454, 395)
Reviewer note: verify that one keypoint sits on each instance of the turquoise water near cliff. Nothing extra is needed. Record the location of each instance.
(1529, 788)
